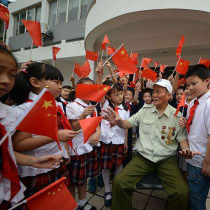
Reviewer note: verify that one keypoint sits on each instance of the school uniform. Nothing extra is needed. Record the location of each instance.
(198, 134)
(35, 179)
(112, 141)
(8, 117)
(84, 157)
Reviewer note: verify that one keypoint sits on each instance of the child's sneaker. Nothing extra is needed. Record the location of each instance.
(100, 181)
(92, 185)
(87, 206)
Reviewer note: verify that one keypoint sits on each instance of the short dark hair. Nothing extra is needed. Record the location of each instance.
(85, 79)
(67, 87)
(147, 90)
(198, 70)
(181, 88)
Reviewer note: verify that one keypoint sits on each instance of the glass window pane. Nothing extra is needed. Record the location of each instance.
(38, 14)
(16, 24)
(53, 10)
(30, 14)
(22, 17)
(62, 8)
(84, 9)
(73, 10)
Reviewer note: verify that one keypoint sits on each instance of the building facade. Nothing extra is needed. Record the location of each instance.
(150, 27)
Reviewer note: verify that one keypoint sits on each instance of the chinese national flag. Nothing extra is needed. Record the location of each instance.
(148, 73)
(93, 56)
(181, 103)
(204, 62)
(89, 126)
(85, 69)
(134, 57)
(111, 50)
(77, 70)
(179, 48)
(181, 81)
(123, 61)
(182, 66)
(162, 68)
(43, 108)
(105, 41)
(156, 64)
(34, 29)
(145, 62)
(91, 92)
(55, 52)
(4, 15)
(55, 196)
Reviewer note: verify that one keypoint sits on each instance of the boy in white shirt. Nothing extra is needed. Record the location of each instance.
(198, 126)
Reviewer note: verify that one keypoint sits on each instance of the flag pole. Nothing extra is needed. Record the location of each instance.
(112, 54)
(199, 60)
(102, 53)
(18, 205)
(31, 49)
(176, 65)
(4, 32)
(106, 52)
(52, 58)
(73, 69)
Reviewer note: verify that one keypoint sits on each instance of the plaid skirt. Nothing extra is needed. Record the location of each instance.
(84, 166)
(34, 184)
(111, 155)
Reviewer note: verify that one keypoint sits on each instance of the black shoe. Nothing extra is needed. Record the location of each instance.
(86, 206)
(108, 202)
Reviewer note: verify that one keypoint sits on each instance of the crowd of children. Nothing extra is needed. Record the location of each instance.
(37, 160)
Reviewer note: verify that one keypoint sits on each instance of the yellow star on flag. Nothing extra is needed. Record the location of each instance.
(105, 89)
(122, 52)
(47, 104)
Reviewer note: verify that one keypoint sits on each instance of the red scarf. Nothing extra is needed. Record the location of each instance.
(192, 113)
(129, 106)
(9, 169)
(63, 119)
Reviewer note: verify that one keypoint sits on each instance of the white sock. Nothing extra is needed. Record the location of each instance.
(118, 169)
(82, 202)
(105, 174)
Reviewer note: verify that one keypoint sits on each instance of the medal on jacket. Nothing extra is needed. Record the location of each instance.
(163, 130)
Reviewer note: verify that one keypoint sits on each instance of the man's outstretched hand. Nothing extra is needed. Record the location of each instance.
(111, 116)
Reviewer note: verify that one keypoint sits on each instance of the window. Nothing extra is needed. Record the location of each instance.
(62, 5)
(62, 11)
(29, 14)
(53, 12)
(84, 9)
(73, 10)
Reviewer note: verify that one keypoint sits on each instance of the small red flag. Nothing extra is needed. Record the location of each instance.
(77, 70)
(44, 108)
(179, 48)
(105, 41)
(182, 66)
(89, 126)
(162, 68)
(134, 57)
(123, 61)
(148, 73)
(111, 50)
(85, 69)
(181, 103)
(181, 81)
(53, 197)
(4, 15)
(8, 169)
(156, 64)
(145, 62)
(55, 52)
(93, 56)
(204, 62)
(91, 92)
(34, 29)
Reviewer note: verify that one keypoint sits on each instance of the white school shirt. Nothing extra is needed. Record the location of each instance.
(63, 100)
(199, 129)
(47, 149)
(113, 134)
(8, 117)
(73, 112)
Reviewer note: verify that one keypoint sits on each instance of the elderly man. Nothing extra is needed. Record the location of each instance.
(157, 146)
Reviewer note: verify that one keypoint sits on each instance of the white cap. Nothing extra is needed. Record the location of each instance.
(161, 82)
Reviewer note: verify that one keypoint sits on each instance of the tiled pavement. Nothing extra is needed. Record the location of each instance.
(142, 199)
